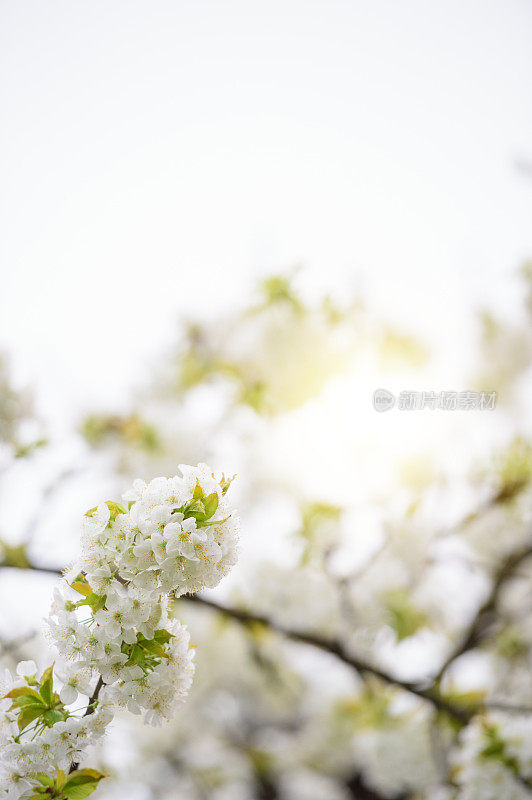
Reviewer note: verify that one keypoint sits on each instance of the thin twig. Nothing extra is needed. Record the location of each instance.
(8, 648)
(481, 623)
(336, 648)
(91, 707)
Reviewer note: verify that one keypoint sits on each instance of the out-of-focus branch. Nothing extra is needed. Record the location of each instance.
(266, 788)
(332, 646)
(8, 648)
(481, 623)
(358, 789)
(32, 567)
(48, 495)
(336, 648)
(509, 708)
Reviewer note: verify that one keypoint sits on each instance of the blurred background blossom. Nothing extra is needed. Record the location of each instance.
(226, 225)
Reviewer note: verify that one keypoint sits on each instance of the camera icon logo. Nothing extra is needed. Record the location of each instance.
(383, 400)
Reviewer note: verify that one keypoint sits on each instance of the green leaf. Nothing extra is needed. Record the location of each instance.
(47, 685)
(211, 504)
(115, 509)
(136, 655)
(29, 715)
(21, 690)
(195, 508)
(405, 617)
(45, 779)
(28, 700)
(15, 556)
(155, 648)
(198, 491)
(162, 635)
(77, 792)
(81, 587)
(225, 483)
(95, 601)
(52, 716)
(81, 783)
(60, 779)
(214, 522)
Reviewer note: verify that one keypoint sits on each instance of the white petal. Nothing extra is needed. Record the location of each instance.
(68, 694)
(26, 668)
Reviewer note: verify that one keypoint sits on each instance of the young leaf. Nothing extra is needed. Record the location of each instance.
(115, 509)
(136, 656)
(81, 783)
(81, 587)
(60, 779)
(214, 522)
(25, 700)
(28, 715)
(162, 635)
(47, 685)
(211, 504)
(45, 779)
(95, 601)
(52, 716)
(22, 690)
(225, 483)
(155, 648)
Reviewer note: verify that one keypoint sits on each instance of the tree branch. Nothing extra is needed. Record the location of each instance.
(11, 647)
(336, 648)
(358, 789)
(481, 623)
(91, 706)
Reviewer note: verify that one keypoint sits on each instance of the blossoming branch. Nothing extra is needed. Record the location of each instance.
(113, 637)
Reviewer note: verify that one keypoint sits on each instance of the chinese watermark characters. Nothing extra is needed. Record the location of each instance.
(468, 400)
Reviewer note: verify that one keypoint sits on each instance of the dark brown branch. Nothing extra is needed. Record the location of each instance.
(477, 631)
(336, 648)
(509, 708)
(91, 707)
(483, 620)
(333, 646)
(358, 789)
(11, 647)
(265, 787)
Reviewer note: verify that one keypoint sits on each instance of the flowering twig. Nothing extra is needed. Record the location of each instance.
(109, 619)
(432, 694)
(334, 647)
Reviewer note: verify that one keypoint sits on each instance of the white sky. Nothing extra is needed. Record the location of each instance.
(156, 157)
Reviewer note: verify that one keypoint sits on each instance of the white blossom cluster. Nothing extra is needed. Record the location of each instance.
(110, 624)
(59, 742)
(143, 657)
(179, 535)
(495, 758)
